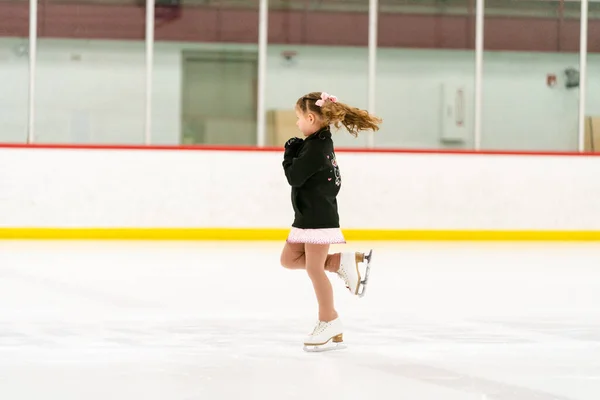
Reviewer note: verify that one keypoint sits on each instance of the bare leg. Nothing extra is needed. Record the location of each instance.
(332, 264)
(293, 257)
(316, 255)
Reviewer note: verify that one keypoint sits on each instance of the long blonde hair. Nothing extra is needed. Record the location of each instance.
(334, 112)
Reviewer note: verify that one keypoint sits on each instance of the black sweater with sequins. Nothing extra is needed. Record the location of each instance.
(311, 170)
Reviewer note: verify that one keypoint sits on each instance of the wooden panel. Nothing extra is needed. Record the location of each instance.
(14, 19)
(522, 34)
(199, 24)
(424, 31)
(592, 134)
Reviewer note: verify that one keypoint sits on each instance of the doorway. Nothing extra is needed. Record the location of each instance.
(219, 90)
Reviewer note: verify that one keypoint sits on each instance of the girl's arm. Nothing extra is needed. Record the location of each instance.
(307, 163)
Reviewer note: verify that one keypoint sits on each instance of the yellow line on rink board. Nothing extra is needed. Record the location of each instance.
(260, 234)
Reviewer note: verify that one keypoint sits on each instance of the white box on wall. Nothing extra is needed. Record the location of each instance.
(453, 119)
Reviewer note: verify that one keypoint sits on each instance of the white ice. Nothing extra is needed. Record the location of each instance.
(170, 321)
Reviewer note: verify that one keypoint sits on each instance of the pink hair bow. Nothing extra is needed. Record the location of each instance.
(324, 98)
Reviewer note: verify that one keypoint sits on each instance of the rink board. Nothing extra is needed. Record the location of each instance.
(281, 234)
(125, 193)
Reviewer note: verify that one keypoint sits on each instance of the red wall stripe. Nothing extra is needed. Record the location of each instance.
(279, 149)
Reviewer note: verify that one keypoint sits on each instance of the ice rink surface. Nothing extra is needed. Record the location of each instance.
(171, 321)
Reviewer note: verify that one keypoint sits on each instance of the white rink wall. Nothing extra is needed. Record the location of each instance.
(247, 189)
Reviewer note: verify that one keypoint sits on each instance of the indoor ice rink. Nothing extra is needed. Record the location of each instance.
(144, 200)
(178, 320)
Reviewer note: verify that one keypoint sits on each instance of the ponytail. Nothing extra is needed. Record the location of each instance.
(334, 112)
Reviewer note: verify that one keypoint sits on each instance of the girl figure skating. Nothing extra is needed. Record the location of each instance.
(312, 171)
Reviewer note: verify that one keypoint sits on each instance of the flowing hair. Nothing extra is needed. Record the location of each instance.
(336, 113)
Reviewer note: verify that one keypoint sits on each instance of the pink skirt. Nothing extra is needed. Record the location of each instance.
(316, 236)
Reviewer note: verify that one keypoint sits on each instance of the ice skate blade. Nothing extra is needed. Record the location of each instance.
(363, 283)
(324, 347)
(335, 343)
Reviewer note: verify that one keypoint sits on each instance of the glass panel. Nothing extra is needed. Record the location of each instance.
(425, 74)
(14, 70)
(530, 47)
(91, 72)
(315, 46)
(205, 73)
(592, 109)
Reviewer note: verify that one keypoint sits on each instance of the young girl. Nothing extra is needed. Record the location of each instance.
(313, 173)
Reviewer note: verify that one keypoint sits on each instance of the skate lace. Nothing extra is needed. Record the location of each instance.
(320, 327)
(342, 274)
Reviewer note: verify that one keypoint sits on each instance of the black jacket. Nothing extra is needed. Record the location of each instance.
(312, 172)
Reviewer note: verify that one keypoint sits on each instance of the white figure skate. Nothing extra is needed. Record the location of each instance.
(349, 271)
(326, 336)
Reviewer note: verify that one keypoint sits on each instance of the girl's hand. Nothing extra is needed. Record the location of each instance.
(292, 146)
(293, 142)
